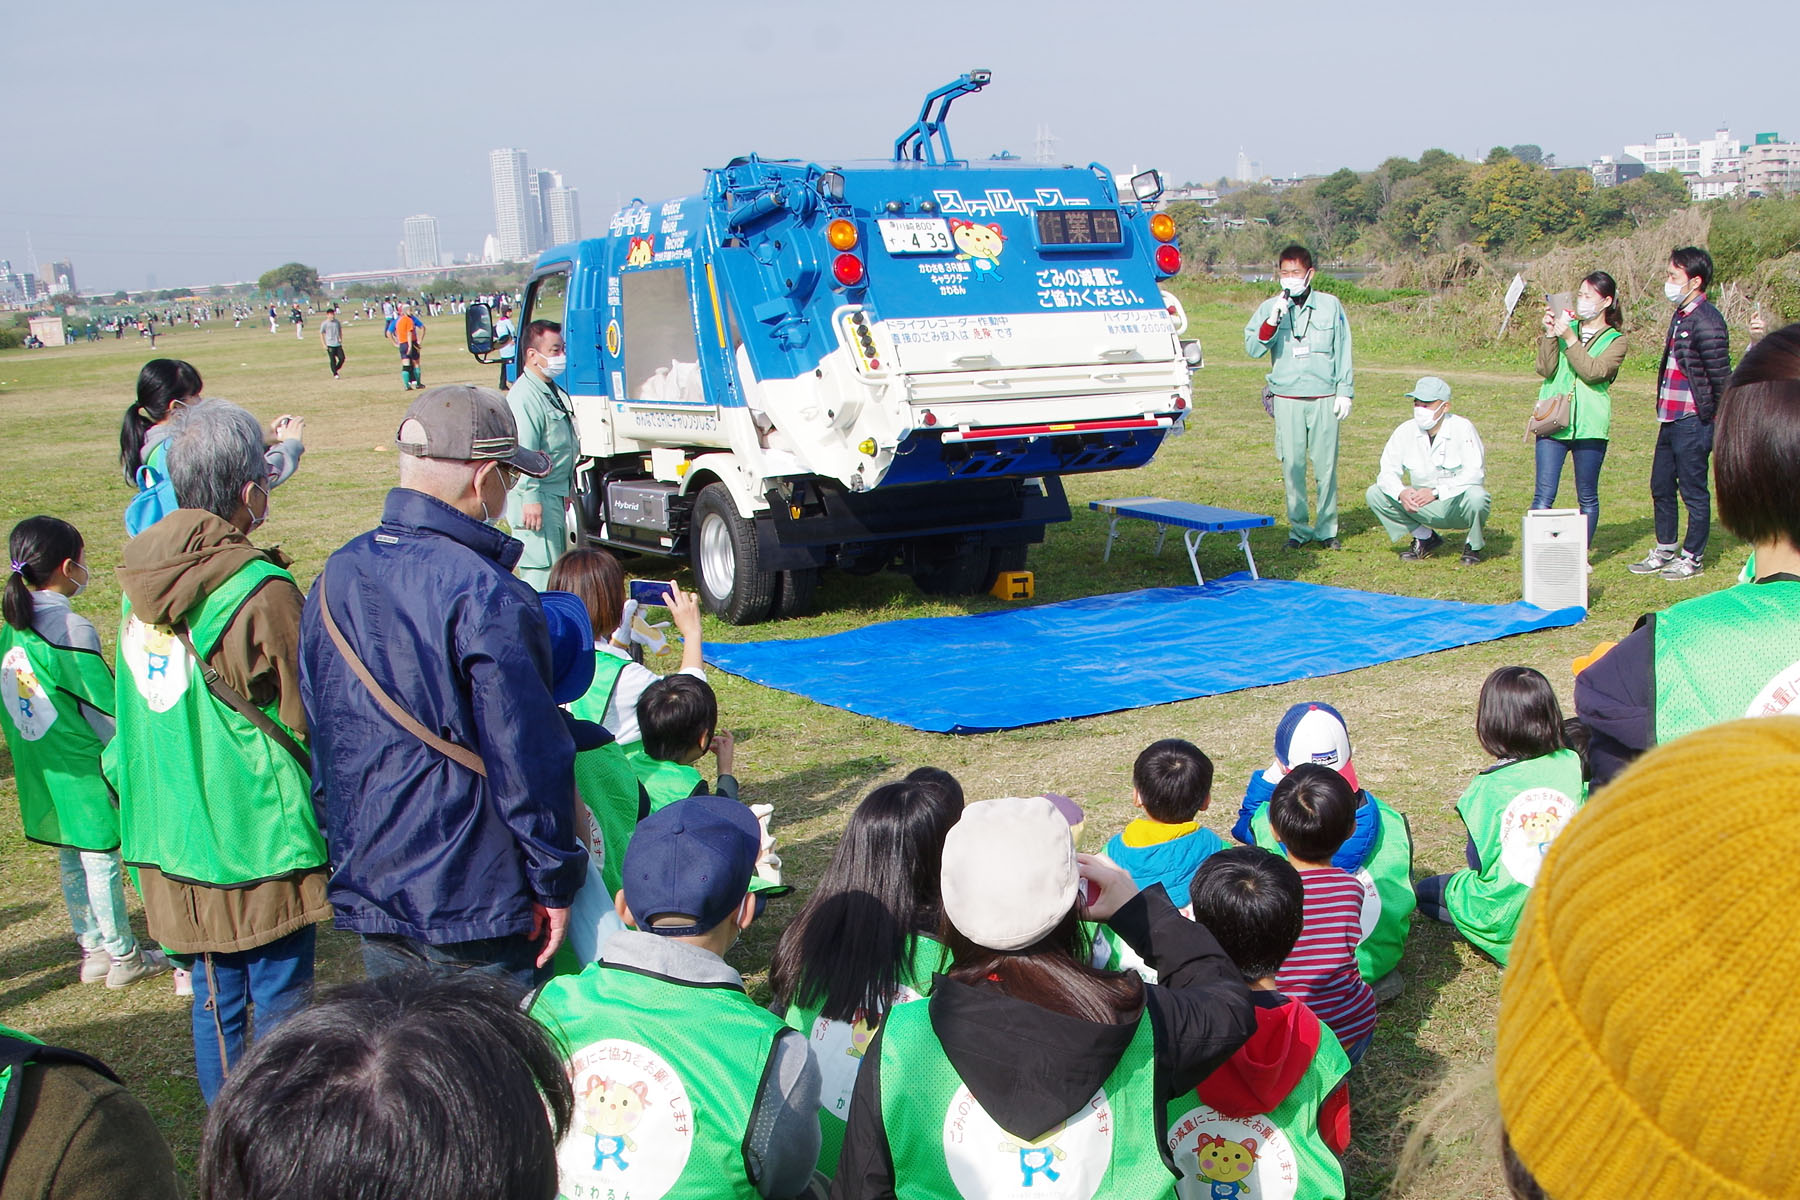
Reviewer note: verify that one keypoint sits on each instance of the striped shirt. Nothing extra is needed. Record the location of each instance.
(1321, 972)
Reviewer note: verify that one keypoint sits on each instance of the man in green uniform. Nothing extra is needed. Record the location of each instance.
(1311, 383)
(535, 508)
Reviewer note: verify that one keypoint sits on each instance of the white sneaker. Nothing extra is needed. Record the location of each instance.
(141, 965)
(184, 981)
(94, 966)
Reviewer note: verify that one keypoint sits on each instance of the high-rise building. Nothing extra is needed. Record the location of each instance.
(421, 241)
(59, 277)
(562, 213)
(540, 183)
(515, 221)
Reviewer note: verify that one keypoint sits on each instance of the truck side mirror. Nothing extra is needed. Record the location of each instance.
(478, 329)
(1147, 185)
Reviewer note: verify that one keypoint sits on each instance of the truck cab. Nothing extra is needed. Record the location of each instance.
(864, 365)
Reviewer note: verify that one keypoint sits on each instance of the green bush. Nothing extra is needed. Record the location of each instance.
(1744, 236)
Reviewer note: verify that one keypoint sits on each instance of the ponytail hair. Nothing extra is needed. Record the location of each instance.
(1603, 283)
(37, 547)
(162, 382)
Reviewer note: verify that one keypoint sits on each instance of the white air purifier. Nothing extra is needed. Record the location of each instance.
(1555, 558)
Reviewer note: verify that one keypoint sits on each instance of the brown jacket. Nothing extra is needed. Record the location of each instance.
(169, 569)
(1592, 369)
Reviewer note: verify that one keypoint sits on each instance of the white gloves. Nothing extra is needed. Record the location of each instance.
(768, 863)
(1341, 407)
(1282, 304)
(633, 628)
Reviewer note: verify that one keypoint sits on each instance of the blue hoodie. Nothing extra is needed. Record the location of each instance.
(1350, 856)
(1171, 863)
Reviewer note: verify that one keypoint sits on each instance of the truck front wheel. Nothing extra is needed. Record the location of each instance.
(723, 549)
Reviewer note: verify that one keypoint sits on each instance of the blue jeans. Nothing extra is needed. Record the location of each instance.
(276, 979)
(1679, 467)
(1589, 454)
(510, 958)
(1355, 1050)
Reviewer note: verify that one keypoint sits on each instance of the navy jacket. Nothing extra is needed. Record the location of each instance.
(1701, 345)
(420, 846)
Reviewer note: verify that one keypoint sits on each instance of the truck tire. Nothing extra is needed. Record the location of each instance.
(794, 592)
(722, 548)
(1002, 559)
(951, 568)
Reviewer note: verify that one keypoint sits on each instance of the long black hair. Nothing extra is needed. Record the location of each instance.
(845, 953)
(37, 547)
(1056, 973)
(162, 382)
(1603, 283)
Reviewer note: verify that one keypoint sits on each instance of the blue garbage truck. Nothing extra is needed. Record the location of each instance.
(862, 365)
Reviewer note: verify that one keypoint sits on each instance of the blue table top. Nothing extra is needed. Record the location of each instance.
(1181, 513)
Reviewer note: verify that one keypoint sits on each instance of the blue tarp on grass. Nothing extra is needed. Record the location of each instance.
(1001, 670)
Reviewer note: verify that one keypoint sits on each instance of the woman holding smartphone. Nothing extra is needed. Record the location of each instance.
(1579, 356)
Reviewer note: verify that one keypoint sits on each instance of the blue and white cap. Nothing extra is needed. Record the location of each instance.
(1314, 732)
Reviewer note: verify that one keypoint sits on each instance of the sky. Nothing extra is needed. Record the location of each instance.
(203, 142)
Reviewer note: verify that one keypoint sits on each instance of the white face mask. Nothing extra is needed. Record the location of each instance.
(1587, 310)
(555, 364)
(256, 522)
(85, 576)
(1674, 292)
(1426, 418)
(1293, 285)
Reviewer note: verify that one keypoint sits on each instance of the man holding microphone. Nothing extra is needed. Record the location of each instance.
(1311, 385)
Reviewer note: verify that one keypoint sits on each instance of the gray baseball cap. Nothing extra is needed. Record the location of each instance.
(1430, 390)
(464, 423)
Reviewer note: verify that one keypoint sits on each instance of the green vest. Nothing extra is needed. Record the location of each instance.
(1386, 878)
(664, 782)
(1513, 813)
(1110, 952)
(1729, 654)
(605, 778)
(1590, 409)
(7, 1073)
(666, 1076)
(944, 1144)
(838, 1047)
(63, 798)
(1279, 1155)
(204, 795)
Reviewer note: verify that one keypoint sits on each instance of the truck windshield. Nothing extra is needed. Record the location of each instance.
(549, 299)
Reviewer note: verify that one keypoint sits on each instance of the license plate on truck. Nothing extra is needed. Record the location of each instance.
(916, 235)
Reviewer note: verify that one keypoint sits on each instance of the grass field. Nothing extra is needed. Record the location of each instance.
(1412, 722)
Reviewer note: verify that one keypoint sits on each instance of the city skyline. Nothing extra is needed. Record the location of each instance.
(223, 190)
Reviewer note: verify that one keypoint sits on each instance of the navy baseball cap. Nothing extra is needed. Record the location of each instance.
(571, 646)
(693, 858)
(1314, 732)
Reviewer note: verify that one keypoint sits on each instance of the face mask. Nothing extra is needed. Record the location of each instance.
(1587, 310)
(85, 576)
(256, 522)
(555, 364)
(1293, 285)
(1426, 418)
(1674, 292)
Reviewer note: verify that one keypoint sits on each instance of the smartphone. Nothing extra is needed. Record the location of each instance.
(1562, 302)
(651, 591)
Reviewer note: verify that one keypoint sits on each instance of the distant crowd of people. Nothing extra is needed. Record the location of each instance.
(452, 750)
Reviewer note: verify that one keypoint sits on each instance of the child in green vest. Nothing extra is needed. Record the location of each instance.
(56, 706)
(678, 716)
(1378, 851)
(1028, 1071)
(1172, 782)
(866, 939)
(684, 1087)
(1513, 809)
(1275, 1118)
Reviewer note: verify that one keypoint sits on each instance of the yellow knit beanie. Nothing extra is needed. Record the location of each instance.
(1650, 1020)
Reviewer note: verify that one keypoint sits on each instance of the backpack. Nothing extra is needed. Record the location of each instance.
(156, 495)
